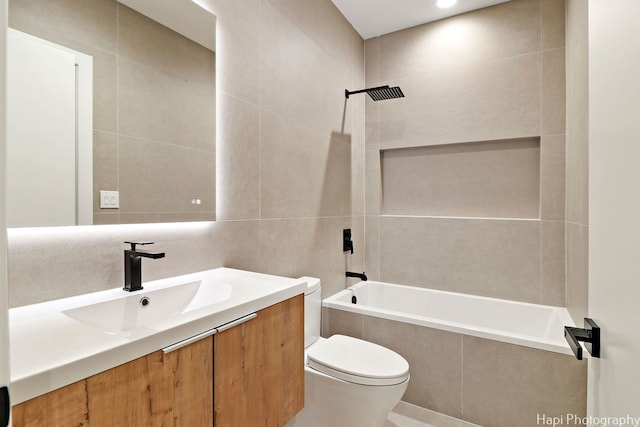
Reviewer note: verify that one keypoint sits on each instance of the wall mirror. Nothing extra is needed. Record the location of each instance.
(111, 112)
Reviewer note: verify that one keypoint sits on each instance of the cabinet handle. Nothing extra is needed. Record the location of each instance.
(236, 322)
(208, 333)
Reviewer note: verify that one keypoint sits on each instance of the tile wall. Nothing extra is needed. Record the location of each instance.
(290, 164)
(488, 82)
(154, 107)
(485, 382)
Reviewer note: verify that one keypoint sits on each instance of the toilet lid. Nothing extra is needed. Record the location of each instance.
(358, 361)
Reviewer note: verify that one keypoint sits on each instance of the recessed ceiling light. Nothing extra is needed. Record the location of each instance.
(446, 3)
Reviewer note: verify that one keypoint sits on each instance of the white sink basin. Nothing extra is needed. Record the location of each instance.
(58, 342)
(148, 309)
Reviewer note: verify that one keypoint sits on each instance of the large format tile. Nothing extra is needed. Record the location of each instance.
(495, 258)
(372, 123)
(343, 323)
(435, 360)
(577, 177)
(157, 177)
(105, 80)
(92, 22)
(373, 182)
(303, 173)
(553, 92)
(158, 106)
(507, 30)
(488, 101)
(577, 271)
(357, 180)
(311, 247)
(552, 21)
(476, 179)
(105, 218)
(372, 62)
(316, 101)
(552, 177)
(105, 167)
(238, 159)
(577, 112)
(325, 25)
(506, 385)
(143, 40)
(372, 247)
(552, 281)
(238, 47)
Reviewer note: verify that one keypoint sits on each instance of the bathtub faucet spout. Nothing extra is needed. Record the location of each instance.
(361, 276)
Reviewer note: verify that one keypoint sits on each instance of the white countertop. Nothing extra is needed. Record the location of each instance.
(50, 349)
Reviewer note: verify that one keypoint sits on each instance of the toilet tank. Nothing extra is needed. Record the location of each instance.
(312, 310)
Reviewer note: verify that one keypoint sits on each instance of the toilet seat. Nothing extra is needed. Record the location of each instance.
(357, 361)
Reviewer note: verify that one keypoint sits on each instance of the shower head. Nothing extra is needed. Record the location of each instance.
(379, 93)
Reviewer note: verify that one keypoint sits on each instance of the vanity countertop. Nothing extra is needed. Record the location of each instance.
(59, 342)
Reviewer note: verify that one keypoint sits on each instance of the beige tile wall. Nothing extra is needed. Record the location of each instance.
(482, 381)
(498, 258)
(290, 160)
(154, 109)
(496, 74)
(577, 160)
(477, 179)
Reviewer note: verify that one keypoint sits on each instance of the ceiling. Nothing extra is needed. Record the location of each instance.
(373, 18)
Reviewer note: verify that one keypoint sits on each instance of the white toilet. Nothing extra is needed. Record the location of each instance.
(348, 382)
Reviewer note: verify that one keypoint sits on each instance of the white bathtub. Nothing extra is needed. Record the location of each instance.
(530, 325)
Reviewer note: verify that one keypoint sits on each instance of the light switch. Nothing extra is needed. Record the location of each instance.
(109, 199)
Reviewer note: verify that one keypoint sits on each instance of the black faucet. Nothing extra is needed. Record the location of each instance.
(361, 276)
(133, 265)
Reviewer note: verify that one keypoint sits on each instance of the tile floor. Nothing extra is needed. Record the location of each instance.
(407, 415)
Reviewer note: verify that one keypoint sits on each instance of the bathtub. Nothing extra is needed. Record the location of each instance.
(524, 324)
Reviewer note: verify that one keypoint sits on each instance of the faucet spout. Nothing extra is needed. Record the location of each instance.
(133, 265)
(361, 276)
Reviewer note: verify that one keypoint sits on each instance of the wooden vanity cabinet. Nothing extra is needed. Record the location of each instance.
(259, 381)
(173, 389)
(259, 368)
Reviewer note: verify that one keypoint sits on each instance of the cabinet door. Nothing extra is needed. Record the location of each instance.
(174, 389)
(158, 389)
(259, 368)
(191, 372)
(64, 407)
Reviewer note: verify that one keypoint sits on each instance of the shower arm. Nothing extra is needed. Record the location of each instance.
(348, 92)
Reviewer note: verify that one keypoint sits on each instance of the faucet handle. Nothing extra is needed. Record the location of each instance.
(133, 244)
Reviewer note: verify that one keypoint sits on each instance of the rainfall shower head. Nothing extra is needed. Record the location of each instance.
(379, 93)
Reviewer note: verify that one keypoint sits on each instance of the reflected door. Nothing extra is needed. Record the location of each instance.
(41, 134)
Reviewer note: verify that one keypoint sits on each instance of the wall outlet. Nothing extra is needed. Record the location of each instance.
(109, 199)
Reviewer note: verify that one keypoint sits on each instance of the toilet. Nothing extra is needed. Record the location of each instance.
(348, 382)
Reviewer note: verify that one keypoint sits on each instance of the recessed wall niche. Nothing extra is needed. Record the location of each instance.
(488, 179)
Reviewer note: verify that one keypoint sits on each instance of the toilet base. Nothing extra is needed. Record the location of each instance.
(331, 402)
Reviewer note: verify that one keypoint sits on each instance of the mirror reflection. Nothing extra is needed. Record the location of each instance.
(142, 146)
